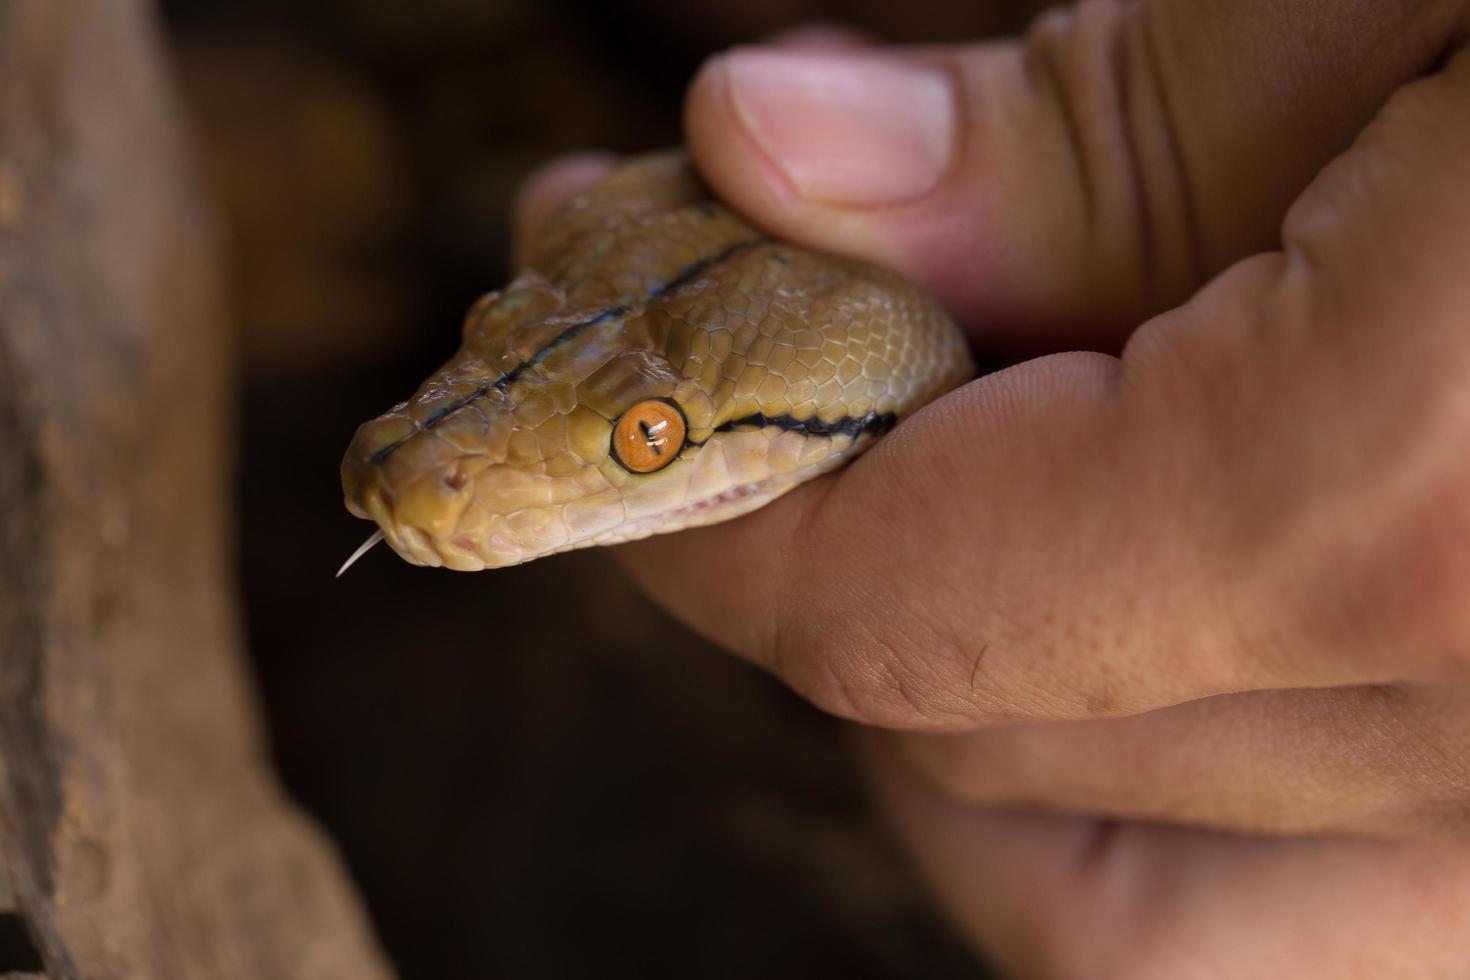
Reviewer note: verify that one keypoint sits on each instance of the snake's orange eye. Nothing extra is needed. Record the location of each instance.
(648, 436)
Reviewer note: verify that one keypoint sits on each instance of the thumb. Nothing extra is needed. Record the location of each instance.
(1070, 184)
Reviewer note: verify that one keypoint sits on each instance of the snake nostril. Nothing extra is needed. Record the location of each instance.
(456, 479)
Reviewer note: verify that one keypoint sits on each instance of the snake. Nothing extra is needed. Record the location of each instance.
(660, 364)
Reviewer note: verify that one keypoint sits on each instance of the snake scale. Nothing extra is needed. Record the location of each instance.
(659, 365)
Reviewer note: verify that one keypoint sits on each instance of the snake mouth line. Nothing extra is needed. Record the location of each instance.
(854, 427)
(421, 547)
(726, 496)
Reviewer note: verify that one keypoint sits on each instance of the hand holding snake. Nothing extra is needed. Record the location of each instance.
(1204, 603)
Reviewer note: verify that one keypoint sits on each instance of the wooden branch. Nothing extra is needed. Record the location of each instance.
(141, 834)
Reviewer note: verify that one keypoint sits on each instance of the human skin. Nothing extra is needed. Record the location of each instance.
(1162, 649)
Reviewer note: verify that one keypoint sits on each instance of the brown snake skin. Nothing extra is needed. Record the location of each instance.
(646, 309)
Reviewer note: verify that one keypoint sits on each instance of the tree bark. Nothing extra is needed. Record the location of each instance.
(141, 833)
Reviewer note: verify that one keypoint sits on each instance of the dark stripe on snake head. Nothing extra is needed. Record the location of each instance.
(570, 333)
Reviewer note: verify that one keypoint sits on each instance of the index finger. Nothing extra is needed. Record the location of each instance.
(1269, 489)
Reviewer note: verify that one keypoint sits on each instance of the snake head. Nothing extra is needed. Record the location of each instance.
(659, 366)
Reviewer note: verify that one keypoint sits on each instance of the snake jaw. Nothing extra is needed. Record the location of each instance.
(596, 504)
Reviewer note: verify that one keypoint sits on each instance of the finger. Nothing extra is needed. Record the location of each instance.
(1056, 191)
(1269, 490)
(1385, 761)
(1062, 897)
(546, 189)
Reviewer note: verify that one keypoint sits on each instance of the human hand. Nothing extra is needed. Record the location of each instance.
(1217, 582)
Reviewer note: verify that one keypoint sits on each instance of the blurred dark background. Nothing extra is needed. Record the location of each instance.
(530, 772)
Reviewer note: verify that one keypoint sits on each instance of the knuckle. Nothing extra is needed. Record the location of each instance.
(1190, 344)
(1076, 51)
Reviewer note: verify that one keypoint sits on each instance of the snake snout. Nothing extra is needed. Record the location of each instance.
(418, 485)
